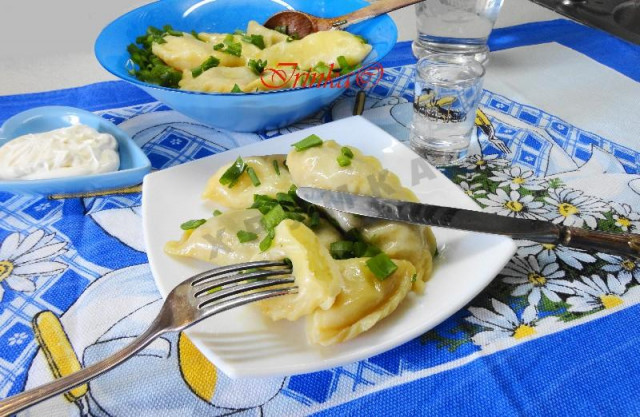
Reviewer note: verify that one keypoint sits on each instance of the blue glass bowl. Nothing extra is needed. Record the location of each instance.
(134, 164)
(248, 112)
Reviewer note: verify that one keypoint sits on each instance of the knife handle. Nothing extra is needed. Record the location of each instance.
(622, 244)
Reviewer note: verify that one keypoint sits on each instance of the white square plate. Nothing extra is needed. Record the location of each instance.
(241, 342)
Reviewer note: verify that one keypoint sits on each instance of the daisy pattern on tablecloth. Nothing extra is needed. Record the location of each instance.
(22, 260)
(17, 339)
(480, 162)
(513, 205)
(593, 293)
(626, 268)
(548, 252)
(626, 219)
(504, 324)
(534, 277)
(472, 190)
(516, 177)
(573, 208)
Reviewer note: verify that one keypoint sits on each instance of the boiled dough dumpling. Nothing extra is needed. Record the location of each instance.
(216, 241)
(364, 301)
(325, 46)
(241, 194)
(410, 242)
(316, 274)
(318, 167)
(218, 79)
(270, 37)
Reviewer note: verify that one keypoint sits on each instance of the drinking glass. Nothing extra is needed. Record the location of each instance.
(447, 92)
(455, 26)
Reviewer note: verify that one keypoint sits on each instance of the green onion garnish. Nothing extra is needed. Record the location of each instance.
(266, 242)
(286, 199)
(346, 152)
(169, 31)
(257, 40)
(218, 46)
(276, 167)
(308, 142)
(362, 249)
(244, 236)
(321, 68)
(344, 161)
(254, 177)
(282, 29)
(342, 249)
(274, 217)
(232, 174)
(192, 224)
(381, 266)
(293, 37)
(414, 277)
(209, 63)
(232, 47)
(236, 89)
(314, 220)
(257, 66)
(216, 213)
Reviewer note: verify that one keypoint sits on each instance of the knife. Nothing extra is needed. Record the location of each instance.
(627, 245)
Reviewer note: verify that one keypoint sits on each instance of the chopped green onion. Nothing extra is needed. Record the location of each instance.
(414, 277)
(236, 89)
(344, 161)
(321, 68)
(195, 35)
(345, 68)
(263, 203)
(218, 46)
(274, 217)
(244, 236)
(266, 242)
(216, 213)
(282, 29)
(346, 152)
(342, 249)
(354, 235)
(342, 61)
(169, 31)
(192, 224)
(288, 262)
(308, 142)
(314, 220)
(276, 167)
(209, 63)
(293, 37)
(257, 66)
(232, 174)
(233, 48)
(381, 266)
(254, 177)
(362, 249)
(285, 198)
(257, 40)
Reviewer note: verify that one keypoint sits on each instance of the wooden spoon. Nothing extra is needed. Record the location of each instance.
(302, 24)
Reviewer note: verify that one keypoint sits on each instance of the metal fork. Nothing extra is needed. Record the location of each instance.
(195, 299)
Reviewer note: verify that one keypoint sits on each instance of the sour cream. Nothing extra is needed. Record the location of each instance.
(69, 151)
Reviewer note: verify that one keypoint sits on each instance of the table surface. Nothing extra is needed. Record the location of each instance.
(63, 37)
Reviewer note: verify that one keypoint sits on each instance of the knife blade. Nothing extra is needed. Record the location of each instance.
(472, 221)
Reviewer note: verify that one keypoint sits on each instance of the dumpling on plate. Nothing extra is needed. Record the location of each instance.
(363, 301)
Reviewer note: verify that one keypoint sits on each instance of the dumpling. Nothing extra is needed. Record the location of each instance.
(241, 194)
(325, 46)
(218, 79)
(318, 167)
(316, 274)
(248, 51)
(186, 52)
(364, 301)
(411, 242)
(216, 241)
(270, 37)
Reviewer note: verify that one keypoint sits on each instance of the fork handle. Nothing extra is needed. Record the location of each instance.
(26, 399)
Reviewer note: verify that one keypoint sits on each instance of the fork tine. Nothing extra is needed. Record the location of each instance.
(201, 277)
(230, 279)
(225, 293)
(225, 305)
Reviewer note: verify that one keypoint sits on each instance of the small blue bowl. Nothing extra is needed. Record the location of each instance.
(134, 164)
(247, 112)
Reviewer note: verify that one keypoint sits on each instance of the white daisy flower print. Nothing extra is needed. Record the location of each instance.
(548, 252)
(534, 277)
(516, 177)
(22, 260)
(627, 220)
(504, 324)
(481, 163)
(513, 205)
(469, 177)
(593, 293)
(626, 268)
(472, 190)
(573, 208)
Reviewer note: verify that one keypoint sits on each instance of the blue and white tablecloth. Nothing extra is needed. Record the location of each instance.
(555, 334)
